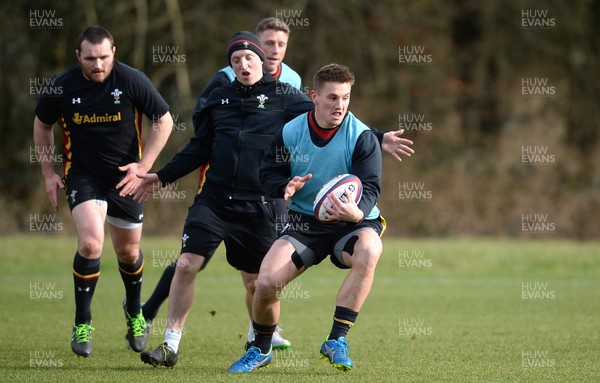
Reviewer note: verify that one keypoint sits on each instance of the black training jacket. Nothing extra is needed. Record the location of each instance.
(233, 132)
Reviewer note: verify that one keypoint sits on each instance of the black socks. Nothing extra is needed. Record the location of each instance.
(85, 276)
(132, 279)
(343, 319)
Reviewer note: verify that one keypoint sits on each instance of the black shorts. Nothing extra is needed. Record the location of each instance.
(314, 240)
(281, 214)
(81, 188)
(246, 227)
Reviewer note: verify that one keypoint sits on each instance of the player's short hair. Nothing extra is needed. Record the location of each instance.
(272, 23)
(95, 35)
(332, 73)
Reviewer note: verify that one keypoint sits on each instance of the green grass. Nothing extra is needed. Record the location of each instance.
(458, 317)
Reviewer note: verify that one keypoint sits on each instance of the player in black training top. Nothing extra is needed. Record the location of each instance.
(99, 106)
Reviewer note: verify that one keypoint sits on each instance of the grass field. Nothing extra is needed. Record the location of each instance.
(451, 310)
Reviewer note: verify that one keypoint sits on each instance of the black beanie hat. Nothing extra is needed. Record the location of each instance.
(244, 40)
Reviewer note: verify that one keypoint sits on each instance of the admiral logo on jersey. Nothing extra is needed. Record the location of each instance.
(94, 118)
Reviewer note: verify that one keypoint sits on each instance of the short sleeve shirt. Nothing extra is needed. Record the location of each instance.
(101, 122)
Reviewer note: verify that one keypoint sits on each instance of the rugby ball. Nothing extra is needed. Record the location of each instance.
(338, 185)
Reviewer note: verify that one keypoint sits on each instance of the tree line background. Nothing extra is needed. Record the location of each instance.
(473, 122)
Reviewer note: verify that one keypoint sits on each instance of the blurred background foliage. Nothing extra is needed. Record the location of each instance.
(468, 94)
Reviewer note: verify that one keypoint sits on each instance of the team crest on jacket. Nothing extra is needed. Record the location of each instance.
(261, 101)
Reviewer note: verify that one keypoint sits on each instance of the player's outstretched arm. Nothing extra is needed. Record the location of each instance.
(396, 145)
(43, 138)
(149, 183)
(161, 129)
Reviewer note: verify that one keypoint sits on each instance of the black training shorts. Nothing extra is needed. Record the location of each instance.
(315, 240)
(82, 187)
(246, 227)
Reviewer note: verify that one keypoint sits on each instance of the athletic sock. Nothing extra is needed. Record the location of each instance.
(85, 276)
(160, 293)
(132, 279)
(343, 319)
(172, 339)
(262, 336)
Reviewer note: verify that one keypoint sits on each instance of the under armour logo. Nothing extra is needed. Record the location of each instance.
(245, 44)
(73, 196)
(184, 239)
(224, 101)
(77, 100)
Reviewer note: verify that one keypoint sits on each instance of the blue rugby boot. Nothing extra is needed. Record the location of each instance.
(337, 353)
(252, 360)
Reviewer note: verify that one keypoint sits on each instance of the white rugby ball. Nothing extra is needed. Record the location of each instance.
(339, 185)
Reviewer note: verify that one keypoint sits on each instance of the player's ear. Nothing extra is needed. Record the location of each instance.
(313, 95)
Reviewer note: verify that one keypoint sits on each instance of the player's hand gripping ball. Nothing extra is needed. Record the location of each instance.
(338, 185)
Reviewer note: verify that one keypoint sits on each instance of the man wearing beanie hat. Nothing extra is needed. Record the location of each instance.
(273, 35)
(244, 40)
(232, 134)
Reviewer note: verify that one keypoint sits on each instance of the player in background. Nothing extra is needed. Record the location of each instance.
(99, 111)
(273, 34)
(333, 135)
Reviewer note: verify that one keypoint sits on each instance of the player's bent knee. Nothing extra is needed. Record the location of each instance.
(367, 253)
(189, 264)
(90, 248)
(128, 254)
(266, 284)
(250, 284)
